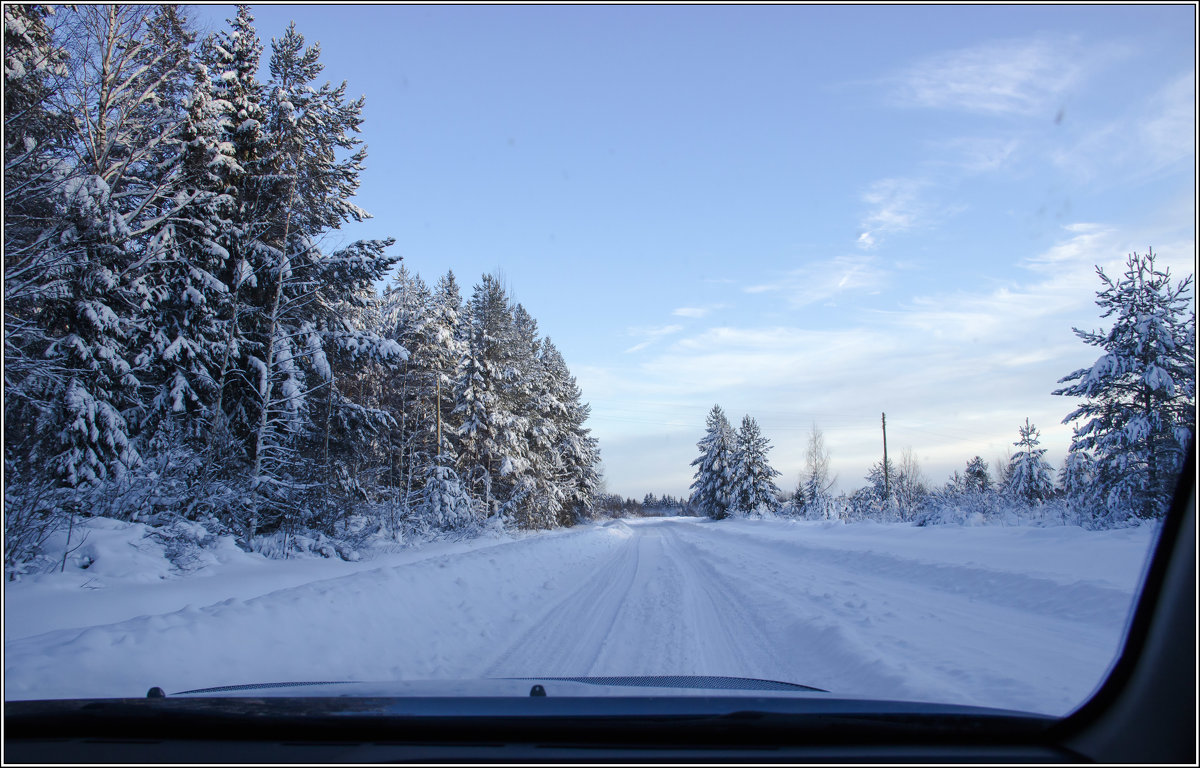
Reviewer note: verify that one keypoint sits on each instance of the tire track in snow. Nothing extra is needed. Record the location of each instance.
(1081, 601)
(774, 634)
(566, 640)
(434, 618)
(889, 632)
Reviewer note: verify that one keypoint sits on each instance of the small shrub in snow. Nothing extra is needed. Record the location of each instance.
(186, 543)
(284, 545)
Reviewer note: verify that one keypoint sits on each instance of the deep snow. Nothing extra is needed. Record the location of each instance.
(1016, 617)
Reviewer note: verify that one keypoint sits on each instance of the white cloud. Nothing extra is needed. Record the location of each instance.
(824, 280)
(697, 312)
(955, 372)
(1169, 131)
(1022, 77)
(650, 335)
(895, 205)
(1155, 135)
(979, 154)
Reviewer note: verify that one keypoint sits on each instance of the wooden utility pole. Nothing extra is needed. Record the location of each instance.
(887, 486)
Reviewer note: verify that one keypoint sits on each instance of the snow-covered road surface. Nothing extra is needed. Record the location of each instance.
(1021, 618)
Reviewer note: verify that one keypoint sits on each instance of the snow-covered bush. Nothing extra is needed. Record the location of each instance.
(282, 545)
(957, 507)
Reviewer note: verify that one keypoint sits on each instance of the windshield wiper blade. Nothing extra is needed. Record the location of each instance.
(715, 682)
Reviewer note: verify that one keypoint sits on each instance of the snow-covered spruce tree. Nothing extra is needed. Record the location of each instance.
(1076, 482)
(306, 294)
(576, 451)
(1029, 475)
(487, 452)
(350, 424)
(116, 93)
(37, 134)
(165, 58)
(288, 324)
(871, 501)
(713, 484)
(1138, 413)
(445, 355)
(183, 347)
(36, 139)
(232, 57)
(976, 477)
(522, 450)
(753, 489)
(441, 502)
(551, 483)
(408, 392)
(530, 500)
(797, 503)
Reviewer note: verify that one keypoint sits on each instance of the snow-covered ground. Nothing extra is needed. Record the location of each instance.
(1022, 618)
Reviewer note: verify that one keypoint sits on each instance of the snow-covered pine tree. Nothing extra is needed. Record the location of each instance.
(1029, 476)
(753, 489)
(713, 483)
(1138, 415)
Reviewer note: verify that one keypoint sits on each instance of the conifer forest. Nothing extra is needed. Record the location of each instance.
(180, 344)
(183, 348)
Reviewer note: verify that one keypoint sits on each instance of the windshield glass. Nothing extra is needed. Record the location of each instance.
(844, 346)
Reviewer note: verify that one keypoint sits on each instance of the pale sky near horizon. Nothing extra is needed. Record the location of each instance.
(810, 214)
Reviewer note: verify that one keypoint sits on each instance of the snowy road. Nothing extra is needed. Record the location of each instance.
(1020, 618)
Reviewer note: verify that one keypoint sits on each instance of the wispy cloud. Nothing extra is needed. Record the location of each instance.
(1021, 77)
(1169, 132)
(979, 154)
(824, 280)
(955, 371)
(1156, 135)
(650, 335)
(697, 312)
(894, 205)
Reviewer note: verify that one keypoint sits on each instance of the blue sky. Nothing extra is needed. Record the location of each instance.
(810, 214)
